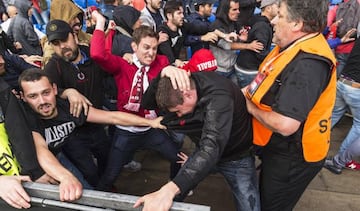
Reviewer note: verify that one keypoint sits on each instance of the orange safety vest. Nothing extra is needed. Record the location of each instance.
(316, 133)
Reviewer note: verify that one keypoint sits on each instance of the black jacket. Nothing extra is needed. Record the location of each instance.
(262, 31)
(20, 136)
(220, 126)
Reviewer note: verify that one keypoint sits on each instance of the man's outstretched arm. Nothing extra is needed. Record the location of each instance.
(70, 188)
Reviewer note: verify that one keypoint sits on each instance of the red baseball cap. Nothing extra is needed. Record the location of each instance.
(202, 60)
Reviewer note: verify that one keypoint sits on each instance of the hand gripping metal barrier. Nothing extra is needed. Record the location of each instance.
(46, 197)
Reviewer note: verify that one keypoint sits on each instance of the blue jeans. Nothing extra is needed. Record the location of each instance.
(230, 75)
(341, 62)
(341, 159)
(75, 171)
(347, 97)
(124, 146)
(244, 77)
(241, 176)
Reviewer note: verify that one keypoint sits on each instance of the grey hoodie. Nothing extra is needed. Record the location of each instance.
(22, 30)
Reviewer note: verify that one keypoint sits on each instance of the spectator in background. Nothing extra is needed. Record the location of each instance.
(153, 15)
(127, 20)
(3, 13)
(332, 39)
(12, 12)
(247, 8)
(22, 30)
(67, 11)
(108, 8)
(126, 2)
(40, 12)
(177, 30)
(7, 44)
(349, 14)
(171, 48)
(225, 51)
(248, 62)
(199, 18)
(13, 65)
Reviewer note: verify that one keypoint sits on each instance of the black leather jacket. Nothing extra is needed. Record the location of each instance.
(220, 126)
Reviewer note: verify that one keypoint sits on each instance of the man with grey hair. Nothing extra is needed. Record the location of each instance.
(291, 100)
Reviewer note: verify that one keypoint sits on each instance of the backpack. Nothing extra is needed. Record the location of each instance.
(350, 13)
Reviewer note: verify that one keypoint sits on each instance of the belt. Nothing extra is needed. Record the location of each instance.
(349, 82)
(245, 71)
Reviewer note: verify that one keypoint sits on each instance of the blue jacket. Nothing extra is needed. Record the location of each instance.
(203, 25)
(14, 66)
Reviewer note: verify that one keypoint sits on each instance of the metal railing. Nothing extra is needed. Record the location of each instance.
(46, 197)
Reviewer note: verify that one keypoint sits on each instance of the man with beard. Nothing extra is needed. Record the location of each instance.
(71, 67)
(203, 10)
(152, 15)
(52, 124)
(171, 48)
(177, 29)
(69, 12)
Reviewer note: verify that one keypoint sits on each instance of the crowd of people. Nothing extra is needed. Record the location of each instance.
(78, 102)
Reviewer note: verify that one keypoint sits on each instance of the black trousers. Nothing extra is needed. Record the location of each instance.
(83, 146)
(284, 175)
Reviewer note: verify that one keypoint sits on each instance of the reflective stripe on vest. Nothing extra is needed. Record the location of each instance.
(8, 164)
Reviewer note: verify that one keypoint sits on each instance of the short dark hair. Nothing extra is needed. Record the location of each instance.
(168, 97)
(172, 6)
(197, 6)
(142, 32)
(312, 12)
(32, 74)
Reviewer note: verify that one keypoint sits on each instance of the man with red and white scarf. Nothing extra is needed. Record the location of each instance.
(132, 79)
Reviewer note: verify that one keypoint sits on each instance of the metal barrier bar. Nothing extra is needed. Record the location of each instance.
(48, 203)
(97, 199)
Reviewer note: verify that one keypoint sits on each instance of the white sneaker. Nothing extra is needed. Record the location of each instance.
(133, 166)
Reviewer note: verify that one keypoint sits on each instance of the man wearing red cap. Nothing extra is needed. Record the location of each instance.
(213, 114)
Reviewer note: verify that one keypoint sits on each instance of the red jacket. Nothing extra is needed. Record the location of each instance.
(123, 71)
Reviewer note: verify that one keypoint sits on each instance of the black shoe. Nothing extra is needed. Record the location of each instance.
(329, 165)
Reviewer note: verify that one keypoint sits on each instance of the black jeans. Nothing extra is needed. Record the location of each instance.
(85, 145)
(284, 175)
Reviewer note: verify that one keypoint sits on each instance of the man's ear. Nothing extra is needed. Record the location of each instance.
(55, 88)
(134, 46)
(188, 94)
(22, 96)
(76, 38)
(298, 26)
